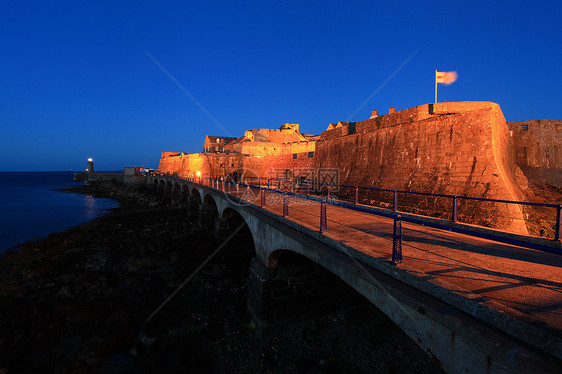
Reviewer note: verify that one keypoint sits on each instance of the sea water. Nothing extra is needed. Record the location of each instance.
(31, 208)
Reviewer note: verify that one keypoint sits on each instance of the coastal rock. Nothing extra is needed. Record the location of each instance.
(74, 302)
(117, 364)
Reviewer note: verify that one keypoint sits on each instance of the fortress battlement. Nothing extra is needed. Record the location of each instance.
(406, 116)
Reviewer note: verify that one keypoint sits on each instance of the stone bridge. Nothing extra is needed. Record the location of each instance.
(466, 326)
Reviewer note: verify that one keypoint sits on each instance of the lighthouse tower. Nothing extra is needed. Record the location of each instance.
(90, 166)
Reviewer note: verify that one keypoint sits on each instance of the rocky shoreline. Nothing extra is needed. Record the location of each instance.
(75, 302)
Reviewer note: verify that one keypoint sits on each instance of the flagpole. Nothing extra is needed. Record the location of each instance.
(435, 86)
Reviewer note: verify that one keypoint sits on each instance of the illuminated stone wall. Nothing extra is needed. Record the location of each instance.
(450, 148)
(222, 164)
(538, 143)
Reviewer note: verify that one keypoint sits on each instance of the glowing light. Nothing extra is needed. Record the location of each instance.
(90, 159)
(198, 173)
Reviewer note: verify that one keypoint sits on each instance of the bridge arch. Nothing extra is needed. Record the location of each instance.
(183, 194)
(208, 199)
(193, 200)
(176, 192)
(231, 220)
(208, 211)
(161, 186)
(278, 256)
(296, 287)
(169, 186)
(194, 193)
(153, 185)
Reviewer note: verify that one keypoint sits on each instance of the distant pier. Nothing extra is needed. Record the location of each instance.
(130, 175)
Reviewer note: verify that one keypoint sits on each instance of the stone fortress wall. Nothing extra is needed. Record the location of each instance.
(447, 148)
(462, 148)
(261, 150)
(538, 150)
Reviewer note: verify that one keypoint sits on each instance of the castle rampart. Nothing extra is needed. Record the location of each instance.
(537, 149)
(451, 148)
(459, 149)
(537, 143)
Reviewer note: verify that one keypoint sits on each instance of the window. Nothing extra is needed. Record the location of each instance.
(310, 154)
(294, 156)
(525, 127)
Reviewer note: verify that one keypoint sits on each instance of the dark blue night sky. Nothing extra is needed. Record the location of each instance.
(122, 81)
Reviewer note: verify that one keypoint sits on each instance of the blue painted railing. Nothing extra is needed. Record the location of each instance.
(454, 213)
(499, 236)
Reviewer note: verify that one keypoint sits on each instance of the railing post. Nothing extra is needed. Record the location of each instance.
(308, 188)
(396, 201)
(356, 199)
(268, 183)
(328, 192)
(279, 185)
(262, 191)
(557, 228)
(454, 218)
(285, 205)
(292, 186)
(247, 192)
(397, 240)
(323, 220)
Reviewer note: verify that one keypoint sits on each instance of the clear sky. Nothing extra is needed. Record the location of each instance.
(122, 81)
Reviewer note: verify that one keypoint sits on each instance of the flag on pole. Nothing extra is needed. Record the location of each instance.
(445, 77)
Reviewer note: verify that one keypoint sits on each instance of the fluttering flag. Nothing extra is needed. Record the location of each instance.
(445, 77)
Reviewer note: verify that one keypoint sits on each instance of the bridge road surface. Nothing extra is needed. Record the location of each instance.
(521, 279)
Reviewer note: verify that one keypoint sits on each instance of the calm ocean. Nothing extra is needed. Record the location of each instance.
(30, 208)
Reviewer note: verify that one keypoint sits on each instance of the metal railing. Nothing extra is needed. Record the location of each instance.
(286, 188)
(297, 185)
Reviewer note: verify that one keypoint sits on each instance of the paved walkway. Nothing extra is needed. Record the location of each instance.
(526, 280)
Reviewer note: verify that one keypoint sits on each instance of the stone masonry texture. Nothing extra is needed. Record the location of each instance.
(462, 148)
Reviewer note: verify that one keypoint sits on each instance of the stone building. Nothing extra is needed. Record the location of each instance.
(538, 150)
(227, 155)
(216, 143)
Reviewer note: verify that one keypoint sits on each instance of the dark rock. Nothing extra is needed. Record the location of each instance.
(116, 364)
